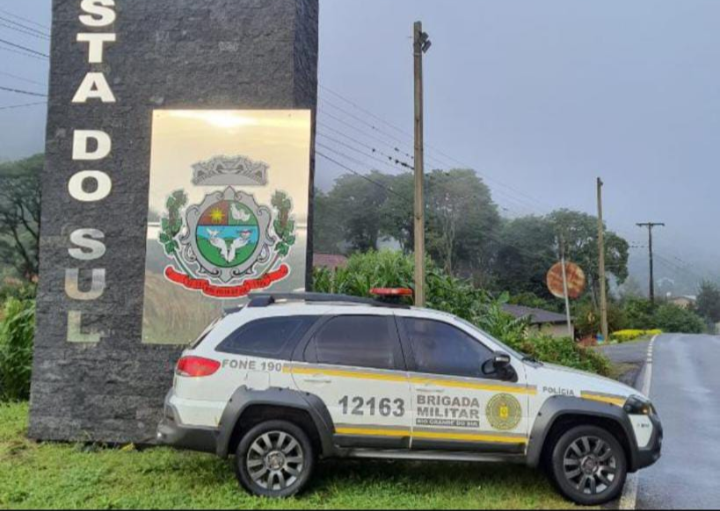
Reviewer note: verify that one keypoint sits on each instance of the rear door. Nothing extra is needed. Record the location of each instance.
(456, 406)
(254, 354)
(354, 363)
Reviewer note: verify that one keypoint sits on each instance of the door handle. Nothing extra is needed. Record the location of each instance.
(429, 389)
(318, 380)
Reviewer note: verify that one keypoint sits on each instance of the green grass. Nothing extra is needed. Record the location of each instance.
(75, 476)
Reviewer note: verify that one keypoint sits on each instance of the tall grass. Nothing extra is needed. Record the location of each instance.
(17, 332)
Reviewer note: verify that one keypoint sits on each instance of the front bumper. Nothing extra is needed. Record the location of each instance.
(652, 453)
(173, 433)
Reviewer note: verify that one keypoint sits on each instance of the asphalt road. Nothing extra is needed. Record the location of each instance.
(686, 391)
(632, 354)
(628, 353)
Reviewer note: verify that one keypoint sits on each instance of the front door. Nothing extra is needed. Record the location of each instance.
(456, 406)
(354, 363)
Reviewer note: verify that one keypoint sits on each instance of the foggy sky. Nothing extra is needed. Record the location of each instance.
(539, 97)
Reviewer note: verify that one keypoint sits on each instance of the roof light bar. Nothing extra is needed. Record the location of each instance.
(391, 291)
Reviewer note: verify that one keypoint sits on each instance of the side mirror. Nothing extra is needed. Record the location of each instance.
(499, 366)
(501, 360)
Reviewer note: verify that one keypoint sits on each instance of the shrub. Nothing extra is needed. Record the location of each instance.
(622, 336)
(13, 288)
(638, 313)
(532, 300)
(671, 318)
(565, 352)
(587, 319)
(17, 332)
(366, 271)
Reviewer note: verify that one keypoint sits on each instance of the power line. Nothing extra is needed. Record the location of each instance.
(368, 112)
(340, 153)
(391, 161)
(677, 267)
(359, 119)
(523, 204)
(392, 146)
(27, 20)
(354, 140)
(519, 202)
(20, 91)
(24, 105)
(358, 162)
(438, 151)
(5, 23)
(359, 174)
(27, 80)
(18, 52)
(24, 48)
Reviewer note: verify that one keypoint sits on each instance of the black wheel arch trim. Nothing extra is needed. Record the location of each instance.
(243, 398)
(557, 407)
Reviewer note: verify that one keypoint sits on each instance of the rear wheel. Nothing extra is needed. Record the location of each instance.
(589, 466)
(275, 459)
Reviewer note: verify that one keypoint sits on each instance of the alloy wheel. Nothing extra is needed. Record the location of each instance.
(275, 461)
(590, 465)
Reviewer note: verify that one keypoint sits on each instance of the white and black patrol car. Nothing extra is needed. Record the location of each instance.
(291, 379)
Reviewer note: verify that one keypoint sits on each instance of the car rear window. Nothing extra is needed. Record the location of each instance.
(268, 337)
(205, 333)
(358, 341)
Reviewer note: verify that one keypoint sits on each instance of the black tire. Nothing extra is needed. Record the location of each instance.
(275, 459)
(589, 466)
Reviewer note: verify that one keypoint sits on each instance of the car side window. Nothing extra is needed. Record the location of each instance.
(440, 348)
(269, 337)
(358, 341)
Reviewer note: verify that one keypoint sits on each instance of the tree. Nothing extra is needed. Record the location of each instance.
(524, 252)
(398, 218)
(708, 302)
(579, 230)
(462, 220)
(527, 247)
(357, 203)
(20, 215)
(673, 319)
(638, 312)
(327, 231)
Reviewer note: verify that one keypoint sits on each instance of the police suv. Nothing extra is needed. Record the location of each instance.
(291, 379)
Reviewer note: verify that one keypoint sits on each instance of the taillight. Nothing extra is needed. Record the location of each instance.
(196, 367)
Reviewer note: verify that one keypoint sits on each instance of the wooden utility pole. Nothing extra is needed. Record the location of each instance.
(566, 291)
(420, 47)
(601, 270)
(650, 226)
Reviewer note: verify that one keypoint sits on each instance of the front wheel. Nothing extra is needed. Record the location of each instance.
(589, 466)
(275, 459)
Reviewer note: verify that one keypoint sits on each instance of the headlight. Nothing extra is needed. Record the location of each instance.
(639, 406)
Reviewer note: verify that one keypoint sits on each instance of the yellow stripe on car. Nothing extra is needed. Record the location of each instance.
(475, 386)
(373, 432)
(467, 437)
(340, 373)
(600, 398)
(345, 374)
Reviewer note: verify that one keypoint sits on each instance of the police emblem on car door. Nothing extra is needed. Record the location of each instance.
(457, 406)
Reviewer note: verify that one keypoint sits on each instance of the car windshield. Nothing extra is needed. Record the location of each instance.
(504, 346)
